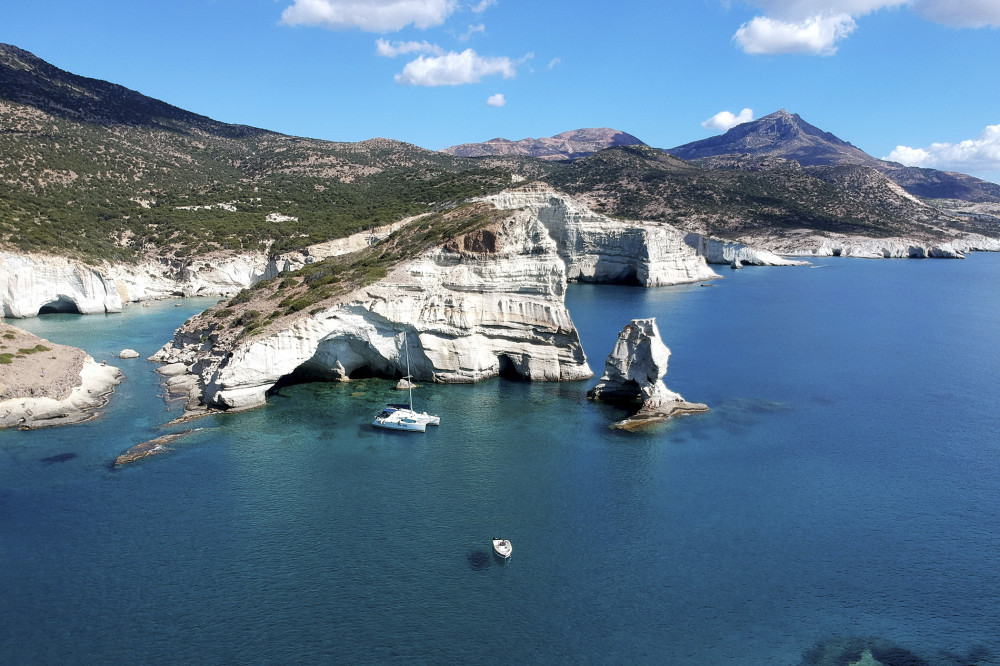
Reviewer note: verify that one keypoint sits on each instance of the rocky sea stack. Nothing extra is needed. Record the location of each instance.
(633, 377)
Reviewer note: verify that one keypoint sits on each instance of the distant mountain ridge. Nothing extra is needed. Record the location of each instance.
(786, 135)
(565, 146)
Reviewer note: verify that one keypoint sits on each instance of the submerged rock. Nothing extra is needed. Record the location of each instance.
(150, 448)
(633, 376)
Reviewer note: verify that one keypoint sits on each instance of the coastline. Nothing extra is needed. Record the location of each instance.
(46, 384)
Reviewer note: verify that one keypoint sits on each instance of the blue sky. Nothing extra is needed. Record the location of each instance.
(915, 80)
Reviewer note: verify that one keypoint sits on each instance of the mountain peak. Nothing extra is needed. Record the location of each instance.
(787, 136)
(778, 134)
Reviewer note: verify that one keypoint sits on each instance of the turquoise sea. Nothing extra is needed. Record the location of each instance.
(842, 494)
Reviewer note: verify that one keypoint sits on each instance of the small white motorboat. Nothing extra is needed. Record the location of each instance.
(502, 548)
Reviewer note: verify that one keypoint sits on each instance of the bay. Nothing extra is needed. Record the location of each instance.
(843, 492)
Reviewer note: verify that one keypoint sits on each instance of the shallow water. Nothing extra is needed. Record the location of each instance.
(844, 485)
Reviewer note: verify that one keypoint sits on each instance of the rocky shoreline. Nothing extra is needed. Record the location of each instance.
(45, 384)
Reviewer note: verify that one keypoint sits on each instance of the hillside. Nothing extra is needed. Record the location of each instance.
(786, 135)
(565, 146)
(732, 197)
(95, 170)
(92, 170)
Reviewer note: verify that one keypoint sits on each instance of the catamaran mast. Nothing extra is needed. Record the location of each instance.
(409, 380)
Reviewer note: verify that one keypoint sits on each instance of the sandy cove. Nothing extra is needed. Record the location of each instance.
(46, 384)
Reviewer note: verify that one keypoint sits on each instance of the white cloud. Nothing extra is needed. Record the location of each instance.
(483, 5)
(497, 100)
(960, 13)
(817, 35)
(799, 10)
(724, 120)
(554, 62)
(910, 156)
(392, 49)
(470, 31)
(369, 15)
(981, 154)
(815, 26)
(454, 69)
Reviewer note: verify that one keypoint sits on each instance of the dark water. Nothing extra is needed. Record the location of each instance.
(843, 493)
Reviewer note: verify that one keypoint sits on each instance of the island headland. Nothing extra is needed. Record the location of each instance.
(46, 384)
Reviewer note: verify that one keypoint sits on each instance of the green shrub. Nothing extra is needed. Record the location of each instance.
(33, 350)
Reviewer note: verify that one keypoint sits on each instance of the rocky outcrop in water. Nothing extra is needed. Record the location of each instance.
(486, 304)
(150, 448)
(633, 377)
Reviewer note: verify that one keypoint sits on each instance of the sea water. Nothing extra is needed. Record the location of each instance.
(842, 494)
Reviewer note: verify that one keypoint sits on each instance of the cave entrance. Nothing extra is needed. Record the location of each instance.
(508, 370)
(60, 305)
(308, 373)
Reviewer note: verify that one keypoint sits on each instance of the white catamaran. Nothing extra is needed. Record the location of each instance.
(402, 417)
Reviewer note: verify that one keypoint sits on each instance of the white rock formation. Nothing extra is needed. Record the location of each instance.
(718, 251)
(840, 245)
(128, 353)
(633, 375)
(97, 382)
(466, 315)
(976, 243)
(597, 248)
(30, 283)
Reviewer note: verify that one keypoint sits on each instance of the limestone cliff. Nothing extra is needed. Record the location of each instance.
(633, 377)
(718, 251)
(33, 283)
(597, 248)
(839, 245)
(488, 303)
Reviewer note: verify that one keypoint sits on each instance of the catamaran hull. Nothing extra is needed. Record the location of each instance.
(400, 425)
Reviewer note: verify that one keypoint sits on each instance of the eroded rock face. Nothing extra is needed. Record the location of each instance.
(466, 315)
(633, 377)
(34, 283)
(839, 245)
(736, 255)
(31, 283)
(597, 248)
